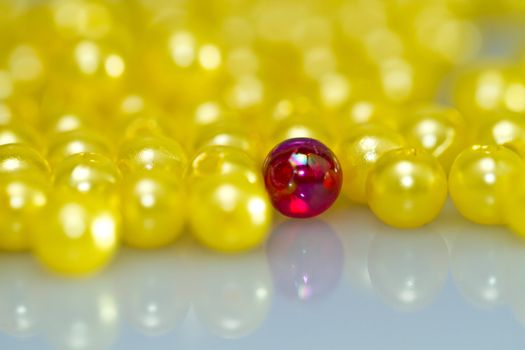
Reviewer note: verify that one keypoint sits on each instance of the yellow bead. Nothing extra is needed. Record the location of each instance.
(515, 206)
(360, 151)
(152, 153)
(507, 130)
(87, 173)
(438, 130)
(366, 111)
(16, 158)
(22, 197)
(10, 134)
(75, 233)
(76, 142)
(407, 188)
(223, 160)
(228, 213)
(153, 209)
(480, 180)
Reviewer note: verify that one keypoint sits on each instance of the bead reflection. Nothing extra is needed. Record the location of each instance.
(19, 315)
(407, 269)
(478, 264)
(232, 293)
(306, 259)
(155, 300)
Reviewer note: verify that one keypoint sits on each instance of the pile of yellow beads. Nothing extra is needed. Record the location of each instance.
(134, 121)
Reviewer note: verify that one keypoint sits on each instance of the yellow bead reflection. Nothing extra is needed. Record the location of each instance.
(439, 130)
(76, 142)
(228, 213)
(480, 180)
(76, 234)
(407, 188)
(360, 151)
(16, 158)
(22, 197)
(87, 173)
(153, 209)
(222, 160)
(152, 153)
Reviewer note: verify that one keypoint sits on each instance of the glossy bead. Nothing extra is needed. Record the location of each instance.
(440, 131)
(16, 158)
(223, 160)
(515, 206)
(153, 209)
(152, 153)
(507, 130)
(407, 188)
(87, 173)
(76, 142)
(360, 151)
(303, 177)
(22, 197)
(228, 213)
(10, 134)
(480, 181)
(76, 234)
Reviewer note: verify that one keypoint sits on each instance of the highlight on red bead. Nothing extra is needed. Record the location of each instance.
(303, 177)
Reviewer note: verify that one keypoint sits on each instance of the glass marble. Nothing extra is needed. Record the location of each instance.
(152, 153)
(360, 151)
(480, 181)
(407, 188)
(153, 208)
(76, 234)
(303, 177)
(228, 213)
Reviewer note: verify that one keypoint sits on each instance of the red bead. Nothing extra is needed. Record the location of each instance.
(303, 177)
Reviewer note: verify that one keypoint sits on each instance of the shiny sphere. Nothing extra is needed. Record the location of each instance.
(438, 130)
(10, 134)
(22, 197)
(228, 213)
(507, 130)
(75, 142)
(303, 177)
(223, 160)
(153, 209)
(152, 153)
(87, 173)
(480, 181)
(407, 188)
(360, 151)
(76, 234)
(16, 158)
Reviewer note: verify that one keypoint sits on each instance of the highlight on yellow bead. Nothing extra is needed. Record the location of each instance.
(480, 180)
(12, 133)
(360, 151)
(91, 173)
(16, 158)
(153, 208)
(22, 198)
(76, 234)
(507, 129)
(223, 160)
(515, 206)
(228, 213)
(441, 131)
(76, 142)
(407, 188)
(152, 153)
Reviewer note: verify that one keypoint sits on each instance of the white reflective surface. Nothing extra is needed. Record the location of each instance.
(344, 281)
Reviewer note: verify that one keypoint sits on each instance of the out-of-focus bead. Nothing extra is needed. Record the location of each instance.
(228, 213)
(152, 153)
(480, 181)
(303, 177)
(360, 151)
(507, 130)
(515, 206)
(440, 131)
(76, 142)
(153, 209)
(76, 234)
(16, 158)
(22, 197)
(10, 134)
(407, 188)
